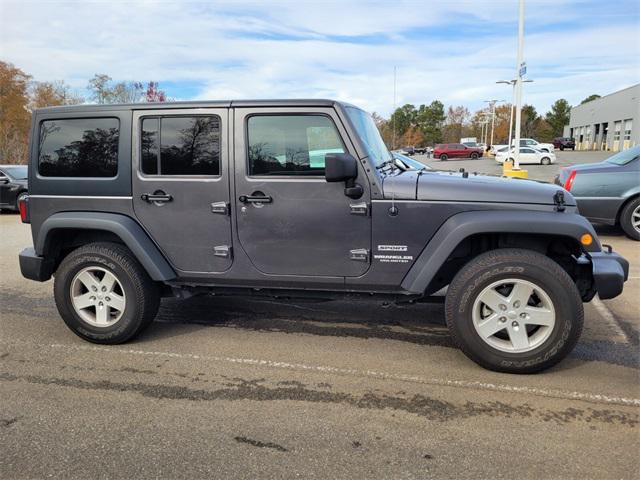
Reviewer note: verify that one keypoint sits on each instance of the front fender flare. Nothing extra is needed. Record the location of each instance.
(129, 231)
(462, 225)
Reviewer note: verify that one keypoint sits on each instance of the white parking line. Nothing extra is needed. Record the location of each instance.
(552, 393)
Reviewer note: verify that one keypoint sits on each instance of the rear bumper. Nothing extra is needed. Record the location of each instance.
(34, 267)
(610, 271)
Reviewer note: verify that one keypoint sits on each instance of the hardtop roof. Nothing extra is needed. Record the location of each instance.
(194, 104)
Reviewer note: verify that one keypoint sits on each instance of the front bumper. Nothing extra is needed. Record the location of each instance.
(610, 271)
(34, 267)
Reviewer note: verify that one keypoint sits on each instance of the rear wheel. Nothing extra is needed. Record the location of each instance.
(561, 147)
(443, 157)
(514, 310)
(545, 160)
(104, 295)
(630, 219)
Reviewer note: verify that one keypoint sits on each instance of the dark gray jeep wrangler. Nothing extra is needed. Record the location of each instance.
(129, 203)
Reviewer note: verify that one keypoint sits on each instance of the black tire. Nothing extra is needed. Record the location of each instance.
(474, 156)
(561, 148)
(529, 266)
(443, 157)
(142, 294)
(626, 218)
(545, 161)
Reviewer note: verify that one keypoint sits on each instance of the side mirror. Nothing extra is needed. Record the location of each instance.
(340, 167)
(4, 180)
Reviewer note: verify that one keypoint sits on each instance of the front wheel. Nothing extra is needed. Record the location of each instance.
(474, 156)
(103, 294)
(545, 161)
(515, 311)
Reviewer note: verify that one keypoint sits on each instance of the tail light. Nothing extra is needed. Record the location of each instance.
(569, 183)
(23, 206)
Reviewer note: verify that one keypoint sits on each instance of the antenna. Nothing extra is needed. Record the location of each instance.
(393, 118)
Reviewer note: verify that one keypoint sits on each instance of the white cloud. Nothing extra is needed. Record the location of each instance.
(315, 49)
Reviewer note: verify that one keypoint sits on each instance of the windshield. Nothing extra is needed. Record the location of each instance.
(625, 156)
(369, 134)
(17, 172)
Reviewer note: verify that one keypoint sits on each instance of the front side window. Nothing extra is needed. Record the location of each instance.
(180, 145)
(290, 144)
(84, 147)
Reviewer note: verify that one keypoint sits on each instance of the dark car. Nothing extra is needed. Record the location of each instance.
(293, 199)
(409, 151)
(609, 191)
(564, 143)
(444, 151)
(13, 186)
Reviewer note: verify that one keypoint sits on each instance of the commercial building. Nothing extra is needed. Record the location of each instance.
(611, 122)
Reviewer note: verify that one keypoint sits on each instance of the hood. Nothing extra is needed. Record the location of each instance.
(463, 187)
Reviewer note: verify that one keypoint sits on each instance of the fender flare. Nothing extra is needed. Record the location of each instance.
(128, 230)
(462, 225)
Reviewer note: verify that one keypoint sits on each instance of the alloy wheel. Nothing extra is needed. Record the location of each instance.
(97, 296)
(513, 315)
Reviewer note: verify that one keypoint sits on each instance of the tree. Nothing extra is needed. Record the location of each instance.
(558, 117)
(590, 98)
(103, 91)
(413, 137)
(529, 122)
(401, 120)
(429, 120)
(457, 119)
(47, 94)
(14, 116)
(154, 94)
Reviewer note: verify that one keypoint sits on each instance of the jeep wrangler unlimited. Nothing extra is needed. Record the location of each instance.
(129, 203)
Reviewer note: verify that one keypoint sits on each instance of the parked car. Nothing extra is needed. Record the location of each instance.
(421, 150)
(564, 142)
(13, 186)
(444, 151)
(410, 163)
(408, 151)
(526, 142)
(129, 203)
(527, 156)
(608, 192)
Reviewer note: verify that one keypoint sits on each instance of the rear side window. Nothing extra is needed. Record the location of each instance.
(291, 144)
(181, 145)
(86, 147)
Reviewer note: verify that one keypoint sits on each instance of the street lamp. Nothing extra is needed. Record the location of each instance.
(513, 93)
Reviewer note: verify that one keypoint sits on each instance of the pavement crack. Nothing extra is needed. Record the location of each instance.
(259, 444)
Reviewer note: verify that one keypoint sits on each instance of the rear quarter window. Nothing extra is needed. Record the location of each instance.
(86, 147)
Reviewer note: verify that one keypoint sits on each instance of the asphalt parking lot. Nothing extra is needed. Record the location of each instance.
(487, 164)
(236, 388)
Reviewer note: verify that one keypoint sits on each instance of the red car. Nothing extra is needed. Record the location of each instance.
(445, 151)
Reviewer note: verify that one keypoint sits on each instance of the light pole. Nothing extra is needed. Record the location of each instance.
(522, 70)
(513, 93)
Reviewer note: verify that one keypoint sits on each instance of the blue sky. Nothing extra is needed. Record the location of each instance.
(453, 51)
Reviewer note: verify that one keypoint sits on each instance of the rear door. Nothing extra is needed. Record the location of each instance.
(290, 220)
(181, 185)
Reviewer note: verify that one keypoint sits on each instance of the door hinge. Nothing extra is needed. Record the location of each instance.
(359, 208)
(359, 255)
(220, 207)
(223, 251)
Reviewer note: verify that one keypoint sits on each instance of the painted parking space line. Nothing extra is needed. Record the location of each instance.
(610, 318)
(474, 385)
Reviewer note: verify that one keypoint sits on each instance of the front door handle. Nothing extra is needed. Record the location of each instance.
(255, 199)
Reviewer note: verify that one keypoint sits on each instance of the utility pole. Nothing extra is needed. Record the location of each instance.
(492, 108)
(522, 70)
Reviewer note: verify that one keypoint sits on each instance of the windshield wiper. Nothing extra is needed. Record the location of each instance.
(388, 163)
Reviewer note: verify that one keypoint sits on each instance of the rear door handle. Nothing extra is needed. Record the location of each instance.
(156, 197)
(255, 199)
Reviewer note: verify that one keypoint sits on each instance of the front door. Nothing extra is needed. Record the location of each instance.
(290, 220)
(181, 186)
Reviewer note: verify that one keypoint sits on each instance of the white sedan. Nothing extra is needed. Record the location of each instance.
(528, 155)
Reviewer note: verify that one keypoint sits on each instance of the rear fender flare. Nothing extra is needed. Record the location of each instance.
(128, 230)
